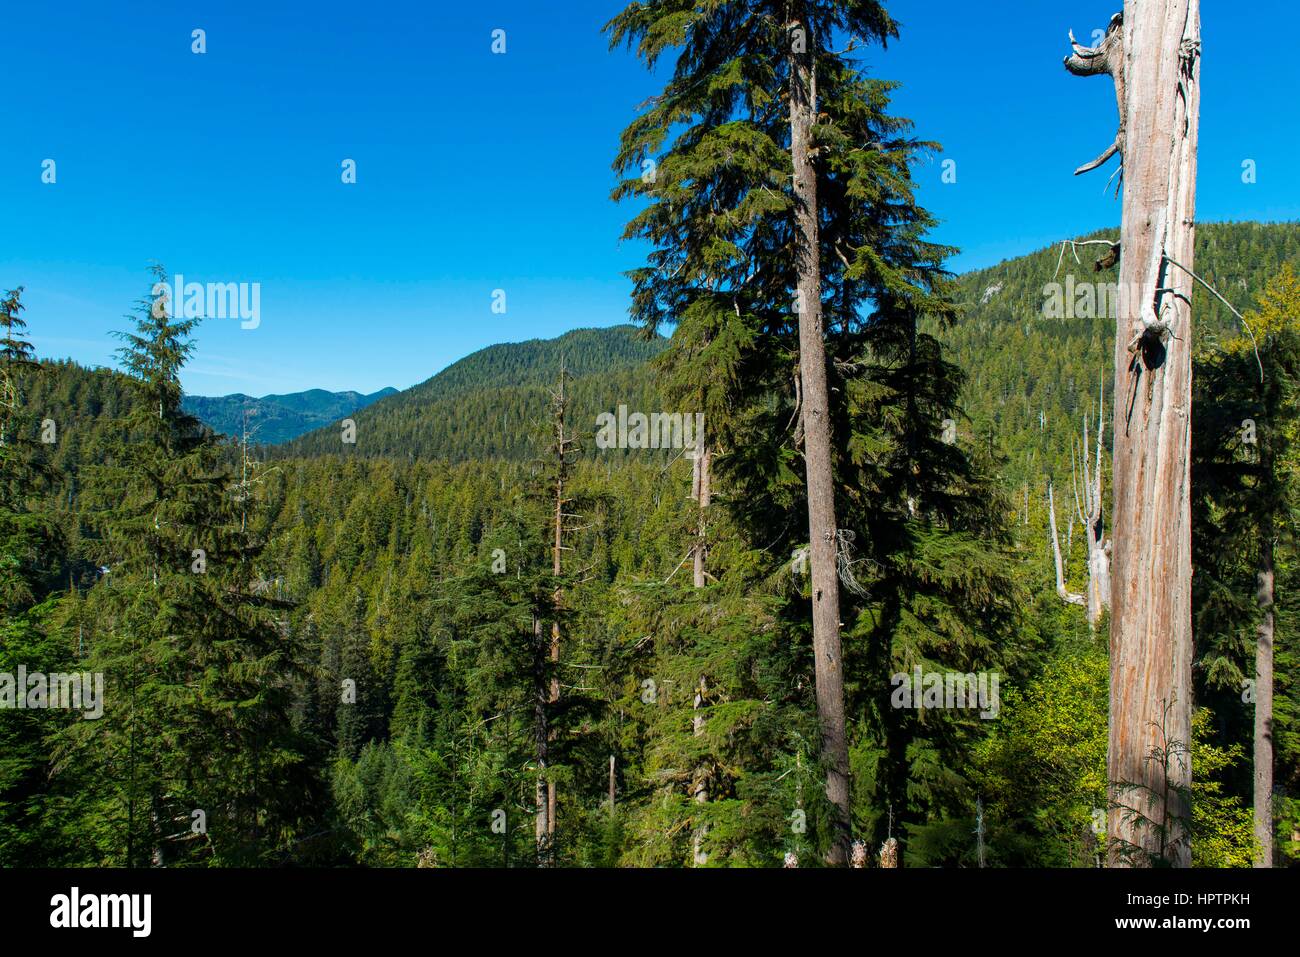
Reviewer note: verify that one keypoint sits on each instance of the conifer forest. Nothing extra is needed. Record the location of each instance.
(829, 543)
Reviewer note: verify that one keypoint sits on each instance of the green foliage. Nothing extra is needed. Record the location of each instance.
(1246, 504)
(376, 564)
(1222, 824)
(1043, 774)
(1043, 769)
(196, 675)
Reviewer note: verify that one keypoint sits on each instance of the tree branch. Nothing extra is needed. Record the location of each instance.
(1105, 58)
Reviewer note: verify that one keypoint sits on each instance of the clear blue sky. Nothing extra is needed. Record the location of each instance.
(479, 171)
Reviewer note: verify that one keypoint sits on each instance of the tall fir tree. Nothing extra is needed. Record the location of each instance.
(32, 554)
(780, 207)
(195, 759)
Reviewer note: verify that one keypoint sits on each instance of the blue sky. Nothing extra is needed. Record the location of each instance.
(478, 172)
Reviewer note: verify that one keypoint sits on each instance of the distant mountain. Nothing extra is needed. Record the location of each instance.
(489, 404)
(273, 419)
(1029, 377)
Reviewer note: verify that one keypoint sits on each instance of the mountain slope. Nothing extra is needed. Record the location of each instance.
(277, 418)
(489, 404)
(1030, 376)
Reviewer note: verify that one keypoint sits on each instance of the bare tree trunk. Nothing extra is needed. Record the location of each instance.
(1153, 53)
(1088, 507)
(554, 696)
(611, 784)
(698, 856)
(1066, 596)
(702, 497)
(822, 538)
(1264, 704)
(700, 482)
(541, 741)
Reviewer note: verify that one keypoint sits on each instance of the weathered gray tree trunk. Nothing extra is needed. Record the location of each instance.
(701, 494)
(1264, 701)
(1087, 503)
(1067, 596)
(699, 857)
(541, 743)
(700, 491)
(1153, 54)
(822, 538)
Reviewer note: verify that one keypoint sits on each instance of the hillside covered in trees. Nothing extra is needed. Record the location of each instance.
(485, 405)
(827, 558)
(386, 595)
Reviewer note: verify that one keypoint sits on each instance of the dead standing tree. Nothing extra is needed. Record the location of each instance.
(562, 452)
(1087, 505)
(1152, 52)
(702, 495)
(1067, 596)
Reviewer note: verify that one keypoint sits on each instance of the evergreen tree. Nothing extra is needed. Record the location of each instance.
(1246, 501)
(195, 759)
(718, 158)
(30, 542)
(31, 554)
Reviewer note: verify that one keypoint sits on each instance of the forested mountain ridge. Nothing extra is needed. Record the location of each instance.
(1030, 376)
(1017, 362)
(535, 362)
(272, 419)
(486, 405)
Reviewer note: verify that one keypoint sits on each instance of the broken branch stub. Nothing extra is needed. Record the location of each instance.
(1106, 58)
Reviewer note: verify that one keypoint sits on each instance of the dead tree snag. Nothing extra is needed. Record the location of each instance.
(1152, 52)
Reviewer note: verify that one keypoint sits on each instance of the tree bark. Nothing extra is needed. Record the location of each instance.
(611, 784)
(698, 856)
(822, 538)
(554, 696)
(1264, 702)
(541, 742)
(703, 496)
(700, 481)
(1151, 638)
